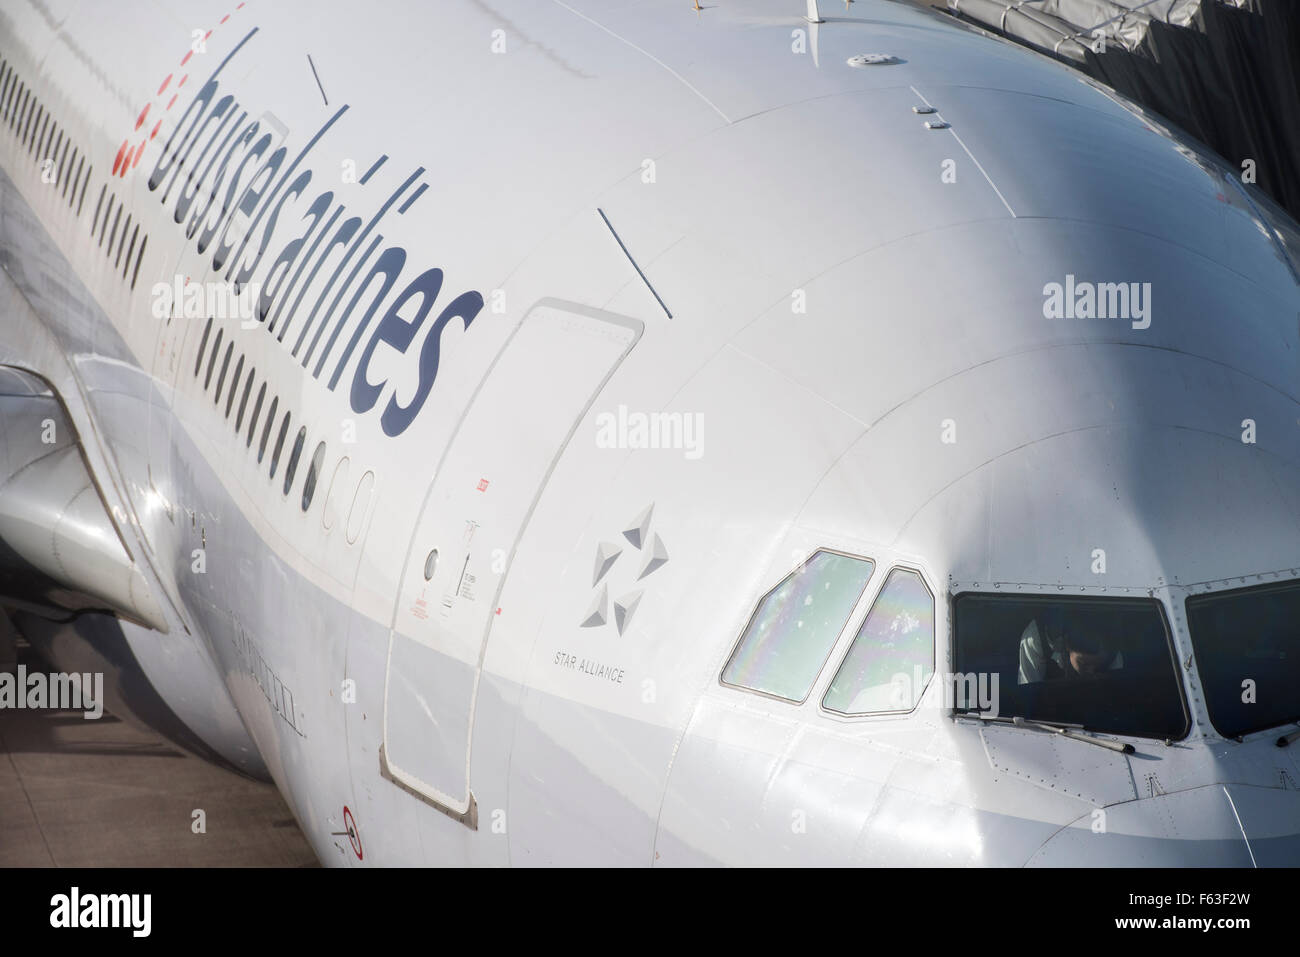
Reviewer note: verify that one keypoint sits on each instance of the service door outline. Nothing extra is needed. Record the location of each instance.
(492, 475)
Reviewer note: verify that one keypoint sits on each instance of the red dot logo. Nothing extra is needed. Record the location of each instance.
(128, 155)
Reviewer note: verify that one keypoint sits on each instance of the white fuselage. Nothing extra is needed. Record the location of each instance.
(544, 274)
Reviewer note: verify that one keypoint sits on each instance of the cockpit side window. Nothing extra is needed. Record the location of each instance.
(1105, 664)
(1247, 644)
(891, 659)
(791, 634)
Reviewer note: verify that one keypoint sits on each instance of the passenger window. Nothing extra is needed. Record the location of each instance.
(266, 430)
(212, 359)
(225, 365)
(791, 634)
(313, 476)
(203, 344)
(294, 455)
(234, 386)
(279, 443)
(892, 656)
(243, 400)
(252, 423)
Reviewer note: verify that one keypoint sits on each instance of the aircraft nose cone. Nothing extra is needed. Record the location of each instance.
(1215, 825)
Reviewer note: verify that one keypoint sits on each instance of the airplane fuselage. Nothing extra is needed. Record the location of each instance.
(460, 381)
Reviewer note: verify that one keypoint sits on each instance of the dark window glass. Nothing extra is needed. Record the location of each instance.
(203, 344)
(234, 385)
(212, 358)
(1104, 663)
(243, 399)
(313, 476)
(94, 224)
(112, 235)
(221, 378)
(279, 442)
(1247, 645)
(139, 257)
(266, 431)
(121, 242)
(103, 223)
(292, 465)
(73, 179)
(252, 422)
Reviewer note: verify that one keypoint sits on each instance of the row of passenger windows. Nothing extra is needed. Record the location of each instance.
(218, 363)
(117, 234)
(27, 119)
(63, 167)
(791, 635)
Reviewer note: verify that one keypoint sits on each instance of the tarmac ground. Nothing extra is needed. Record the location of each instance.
(103, 793)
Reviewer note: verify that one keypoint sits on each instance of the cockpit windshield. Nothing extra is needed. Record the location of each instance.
(1106, 664)
(1247, 645)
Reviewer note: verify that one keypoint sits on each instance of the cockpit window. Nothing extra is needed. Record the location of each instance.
(1247, 645)
(796, 625)
(892, 656)
(1105, 664)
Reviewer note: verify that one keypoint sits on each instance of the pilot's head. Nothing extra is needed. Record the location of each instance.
(1087, 652)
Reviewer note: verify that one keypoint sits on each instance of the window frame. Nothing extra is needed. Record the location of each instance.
(934, 648)
(830, 651)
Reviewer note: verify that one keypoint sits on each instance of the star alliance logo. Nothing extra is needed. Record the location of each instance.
(649, 556)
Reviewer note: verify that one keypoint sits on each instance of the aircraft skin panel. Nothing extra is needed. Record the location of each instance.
(820, 303)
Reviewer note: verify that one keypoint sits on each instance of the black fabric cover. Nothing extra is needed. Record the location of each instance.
(1230, 78)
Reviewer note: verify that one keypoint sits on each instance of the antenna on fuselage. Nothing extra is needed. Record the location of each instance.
(813, 16)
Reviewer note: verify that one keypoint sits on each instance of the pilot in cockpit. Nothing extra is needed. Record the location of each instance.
(1054, 649)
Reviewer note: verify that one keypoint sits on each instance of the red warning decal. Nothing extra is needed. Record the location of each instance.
(350, 825)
